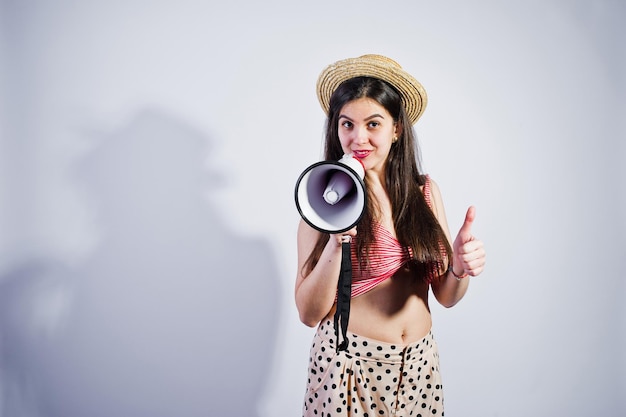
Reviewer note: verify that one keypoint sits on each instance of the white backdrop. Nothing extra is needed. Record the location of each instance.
(148, 154)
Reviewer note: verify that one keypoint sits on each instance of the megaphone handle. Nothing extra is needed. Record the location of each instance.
(344, 289)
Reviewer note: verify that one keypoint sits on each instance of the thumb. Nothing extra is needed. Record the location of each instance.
(465, 233)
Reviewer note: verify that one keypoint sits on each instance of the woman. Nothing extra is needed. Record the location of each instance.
(400, 250)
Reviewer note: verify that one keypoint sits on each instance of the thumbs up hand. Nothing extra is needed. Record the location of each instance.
(469, 253)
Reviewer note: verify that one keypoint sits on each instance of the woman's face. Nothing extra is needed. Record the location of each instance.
(366, 130)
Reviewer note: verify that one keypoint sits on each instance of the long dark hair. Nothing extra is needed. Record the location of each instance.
(415, 224)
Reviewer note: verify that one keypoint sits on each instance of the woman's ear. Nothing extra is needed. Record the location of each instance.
(397, 129)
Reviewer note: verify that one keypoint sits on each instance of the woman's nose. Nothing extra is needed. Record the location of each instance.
(361, 136)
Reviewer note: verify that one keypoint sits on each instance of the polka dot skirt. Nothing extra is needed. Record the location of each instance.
(372, 378)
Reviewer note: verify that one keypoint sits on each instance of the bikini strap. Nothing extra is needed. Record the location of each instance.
(427, 193)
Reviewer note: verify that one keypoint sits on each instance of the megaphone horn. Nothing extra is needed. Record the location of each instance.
(330, 195)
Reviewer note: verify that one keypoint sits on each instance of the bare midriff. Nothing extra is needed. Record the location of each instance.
(396, 311)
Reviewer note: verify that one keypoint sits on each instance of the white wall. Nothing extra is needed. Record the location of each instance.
(149, 152)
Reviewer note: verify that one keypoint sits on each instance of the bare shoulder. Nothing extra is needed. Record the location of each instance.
(437, 204)
(307, 237)
(435, 195)
(306, 231)
(434, 188)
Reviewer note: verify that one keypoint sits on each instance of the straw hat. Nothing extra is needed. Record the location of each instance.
(376, 66)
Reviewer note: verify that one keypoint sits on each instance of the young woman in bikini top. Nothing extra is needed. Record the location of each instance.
(401, 250)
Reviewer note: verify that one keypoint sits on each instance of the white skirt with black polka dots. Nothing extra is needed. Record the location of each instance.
(372, 378)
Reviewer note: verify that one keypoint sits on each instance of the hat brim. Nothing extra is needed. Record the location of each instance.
(412, 92)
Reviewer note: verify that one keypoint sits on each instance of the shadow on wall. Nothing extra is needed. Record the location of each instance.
(172, 315)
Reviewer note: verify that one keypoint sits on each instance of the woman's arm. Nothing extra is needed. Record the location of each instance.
(315, 293)
(468, 255)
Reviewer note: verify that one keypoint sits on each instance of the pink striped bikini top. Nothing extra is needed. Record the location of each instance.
(386, 256)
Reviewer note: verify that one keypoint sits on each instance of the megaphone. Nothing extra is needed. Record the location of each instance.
(330, 195)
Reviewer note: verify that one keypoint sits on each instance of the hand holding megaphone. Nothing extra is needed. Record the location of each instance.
(330, 195)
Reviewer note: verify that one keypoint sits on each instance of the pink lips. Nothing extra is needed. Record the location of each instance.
(361, 154)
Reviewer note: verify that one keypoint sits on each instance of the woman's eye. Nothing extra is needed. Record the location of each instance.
(346, 124)
(374, 124)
